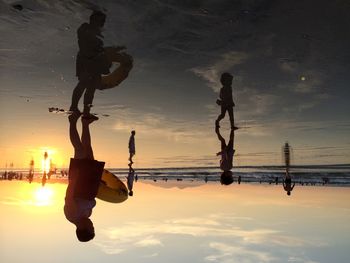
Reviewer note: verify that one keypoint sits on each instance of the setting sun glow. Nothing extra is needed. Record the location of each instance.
(43, 196)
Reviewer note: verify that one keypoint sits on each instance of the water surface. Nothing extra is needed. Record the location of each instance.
(180, 222)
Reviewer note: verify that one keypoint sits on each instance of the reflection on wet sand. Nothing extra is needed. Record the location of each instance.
(208, 222)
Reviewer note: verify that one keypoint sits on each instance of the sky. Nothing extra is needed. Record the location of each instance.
(290, 61)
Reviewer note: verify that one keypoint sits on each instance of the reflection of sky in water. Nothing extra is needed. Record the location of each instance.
(207, 223)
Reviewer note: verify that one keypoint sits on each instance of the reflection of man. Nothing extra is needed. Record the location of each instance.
(286, 152)
(31, 171)
(130, 180)
(226, 161)
(287, 184)
(84, 178)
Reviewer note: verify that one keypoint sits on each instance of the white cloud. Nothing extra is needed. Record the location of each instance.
(226, 63)
(116, 240)
(160, 126)
(148, 242)
(227, 254)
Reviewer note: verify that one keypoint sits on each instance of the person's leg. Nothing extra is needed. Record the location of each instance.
(77, 93)
(74, 136)
(221, 139)
(221, 116)
(231, 142)
(230, 113)
(91, 85)
(86, 138)
(130, 157)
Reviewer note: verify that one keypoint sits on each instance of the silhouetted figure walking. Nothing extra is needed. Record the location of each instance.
(130, 180)
(226, 161)
(83, 180)
(132, 146)
(226, 100)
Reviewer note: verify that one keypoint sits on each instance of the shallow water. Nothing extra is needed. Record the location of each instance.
(180, 222)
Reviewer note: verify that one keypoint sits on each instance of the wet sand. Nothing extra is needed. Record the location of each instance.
(182, 221)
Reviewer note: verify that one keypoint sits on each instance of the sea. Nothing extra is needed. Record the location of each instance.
(335, 174)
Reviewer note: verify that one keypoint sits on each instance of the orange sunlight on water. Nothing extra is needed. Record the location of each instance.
(33, 196)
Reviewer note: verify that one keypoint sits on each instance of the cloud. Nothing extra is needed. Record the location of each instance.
(148, 242)
(150, 234)
(263, 103)
(161, 126)
(211, 74)
(228, 254)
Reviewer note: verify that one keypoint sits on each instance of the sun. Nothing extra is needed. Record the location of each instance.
(43, 196)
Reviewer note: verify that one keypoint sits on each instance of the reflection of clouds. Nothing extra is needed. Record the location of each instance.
(216, 230)
(228, 254)
(14, 201)
(151, 255)
(213, 72)
(299, 259)
(159, 125)
(148, 242)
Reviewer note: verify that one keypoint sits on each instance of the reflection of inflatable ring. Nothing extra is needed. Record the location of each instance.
(120, 73)
(111, 189)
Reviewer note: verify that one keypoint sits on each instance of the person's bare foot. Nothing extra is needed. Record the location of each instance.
(74, 116)
(87, 120)
(90, 117)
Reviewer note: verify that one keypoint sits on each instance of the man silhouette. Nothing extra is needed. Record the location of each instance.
(130, 179)
(91, 62)
(83, 181)
(287, 184)
(226, 100)
(287, 181)
(132, 146)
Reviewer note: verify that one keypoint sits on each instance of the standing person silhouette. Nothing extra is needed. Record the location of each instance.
(132, 146)
(31, 171)
(287, 181)
(83, 180)
(91, 62)
(226, 100)
(226, 154)
(130, 180)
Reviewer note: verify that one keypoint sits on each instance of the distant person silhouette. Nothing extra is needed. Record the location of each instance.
(43, 180)
(132, 146)
(226, 154)
(31, 171)
(226, 100)
(83, 180)
(130, 180)
(287, 156)
(91, 62)
(287, 184)
(287, 181)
